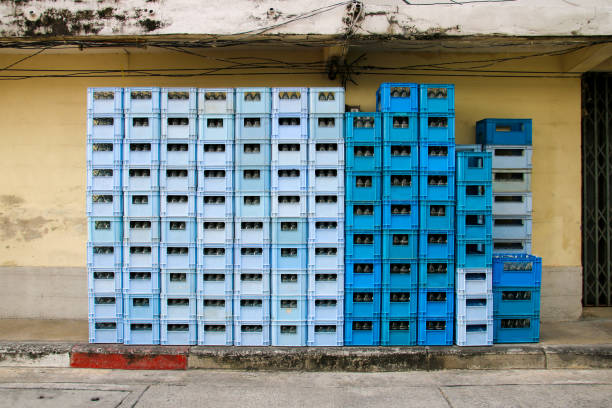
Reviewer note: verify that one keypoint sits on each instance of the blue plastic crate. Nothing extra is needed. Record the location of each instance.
(253, 100)
(397, 97)
(105, 127)
(468, 148)
(510, 156)
(253, 127)
(141, 153)
(504, 132)
(290, 100)
(252, 307)
(219, 179)
(363, 215)
(399, 303)
(437, 215)
(103, 280)
(363, 302)
(325, 179)
(289, 231)
(400, 214)
(287, 282)
(141, 100)
(248, 153)
(322, 204)
(254, 204)
(105, 305)
(105, 153)
(326, 282)
(141, 255)
(141, 229)
(179, 230)
(400, 156)
(289, 333)
(103, 229)
(104, 255)
(216, 128)
(179, 332)
(140, 126)
(326, 127)
(326, 308)
(474, 196)
(216, 205)
(474, 281)
(437, 273)
(363, 272)
(435, 331)
(215, 282)
(522, 270)
(328, 152)
(141, 178)
(474, 225)
(289, 204)
(141, 204)
(141, 331)
(289, 308)
(141, 280)
(179, 126)
(289, 178)
(364, 244)
(512, 227)
(437, 128)
(437, 98)
(215, 154)
(141, 306)
(400, 127)
(400, 244)
(438, 186)
(215, 101)
(474, 333)
(325, 334)
(516, 329)
(252, 257)
(178, 153)
(322, 230)
(363, 127)
(251, 178)
(211, 231)
(325, 257)
(438, 302)
(400, 273)
(255, 333)
(178, 256)
(179, 100)
(287, 153)
(105, 100)
(177, 178)
(400, 185)
(215, 333)
(178, 282)
(361, 332)
(400, 331)
(365, 186)
(474, 307)
(252, 231)
(289, 126)
(474, 253)
(437, 156)
(516, 301)
(103, 178)
(474, 166)
(511, 246)
(106, 330)
(251, 282)
(326, 100)
(363, 156)
(177, 204)
(178, 307)
(436, 244)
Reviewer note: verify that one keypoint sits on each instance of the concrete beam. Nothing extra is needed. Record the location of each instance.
(587, 58)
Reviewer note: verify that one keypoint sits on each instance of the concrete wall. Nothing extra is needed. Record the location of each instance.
(42, 192)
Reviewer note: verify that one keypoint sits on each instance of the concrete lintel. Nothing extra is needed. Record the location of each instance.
(587, 58)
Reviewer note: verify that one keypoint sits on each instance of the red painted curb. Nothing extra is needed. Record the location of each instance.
(128, 361)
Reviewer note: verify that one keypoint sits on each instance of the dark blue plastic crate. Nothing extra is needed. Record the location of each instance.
(400, 127)
(363, 186)
(520, 270)
(397, 97)
(516, 329)
(400, 185)
(400, 156)
(437, 302)
(436, 244)
(474, 253)
(438, 186)
(436, 331)
(363, 244)
(398, 332)
(362, 302)
(436, 128)
(437, 156)
(504, 131)
(474, 225)
(363, 127)
(363, 273)
(400, 273)
(399, 214)
(474, 196)
(363, 215)
(399, 302)
(437, 273)
(437, 215)
(400, 244)
(516, 301)
(474, 166)
(361, 332)
(363, 156)
(437, 98)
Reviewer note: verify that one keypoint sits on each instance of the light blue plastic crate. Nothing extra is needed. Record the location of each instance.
(326, 100)
(439, 186)
(140, 178)
(141, 204)
(252, 126)
(474, 166)
(322, 282)
(179, 332)
(216, 128)
(216, 179)
(141, 306)
(326, 308)
(104, 153)
(363, 272)
(215, 205)
(105, 305)
(287, 282)
(397, 97)
(437, 215)
(322, 230)
(141, 255)
(251, 282)
(437, 156)
(178, 307)
(326, 257)
(504, 132)
(399, 303)
(291, 334)
(179, 230)
(512, 181)
(364, 244)
(400, 127)
(178, 153)
(289, 308)
(104, 255)
(363, 302)
(364, 156)
(102, 229)
(177, 178)
(178, 282)
(254, 204)
(436, 244)
(215, 308)
(215, 231)
(215, 257)
(215, 282)
(141, 100)
(215, 101)
(215, 154)
(511, 246)
(289, 231)
(141, 229)
(252, 178)
(363, 186)
(105, 100)
(512, 227)
(363, 215)
(289, 204)
(474, 196)
(253, 100)
(474, 225)
(400, 331)
(510, 157)
(516, 301)
(251, 153)
(400, 244)
(474, 253)
(361, 332)
(437, 128)
(141, 153)
(255, 333)
(437, 273)
(437, 98)
(252, 231)
(141, 280)
(106, 330)
(179, 100)
(363, 127)
(289, 178)
(251, 307)
(140, 126)
(288, 153)
(325, 179)
(105, 127)
(517, 270)
(103, 178)
(520, 204)
(289, 126)
(289, 257)
(516, 329)
(474, 281)
(474, 307)
(436, 303)
(141, 331)
(400, 273)
(290, 100)
(179, 126)
(102, 280)
(468, 148)
(215, 333)
(400, 185)
(400, 156)
(325, 334)
(400, 214)
(326, 127)
(326, 153)
(252, 257)
(474, 333)
(178, 256)
(330, 204)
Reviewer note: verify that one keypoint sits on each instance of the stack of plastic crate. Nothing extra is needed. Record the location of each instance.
(398, 103)
(141, 185)
(252, 217)
(289, 222)
(516, 298)
(474, 224)
(363, 280)
(104, 211)
(509, 140)
(325, 250)
(436, 202)
(178, 226)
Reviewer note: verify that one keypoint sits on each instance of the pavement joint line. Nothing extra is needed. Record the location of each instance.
(445, 396)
